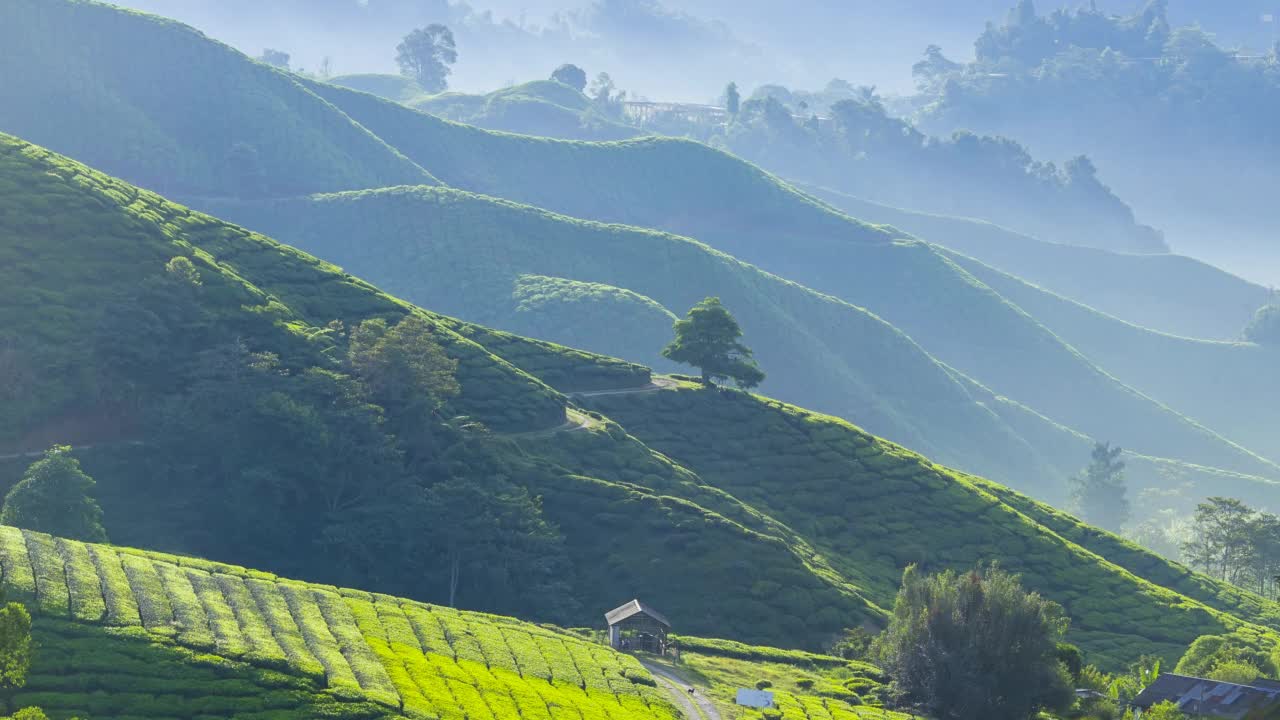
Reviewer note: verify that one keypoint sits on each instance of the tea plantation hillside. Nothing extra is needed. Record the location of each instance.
(1235, 390)
(468, 255)
(714, 197)
(635, 522)
(273, 298)
(463, 254)
(736, 208)
(1168, 293)
(125, 633)
(873, 507)
(156, 102)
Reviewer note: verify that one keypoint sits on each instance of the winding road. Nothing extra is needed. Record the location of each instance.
(696, 706)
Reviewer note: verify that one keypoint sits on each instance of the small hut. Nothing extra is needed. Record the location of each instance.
(638, 627)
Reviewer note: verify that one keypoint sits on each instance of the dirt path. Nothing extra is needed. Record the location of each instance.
(659, 383)
(696, 705)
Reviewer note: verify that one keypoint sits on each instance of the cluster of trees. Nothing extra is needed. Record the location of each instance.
(427, 55)
(334, 457)
(1099, 493)
(1233, 542)
(845, 138)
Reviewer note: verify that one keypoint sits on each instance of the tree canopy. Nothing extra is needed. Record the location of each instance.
(571, 75)
(426, 54)
(54, 497)
(975, 645)
(1099, 494)
(708, 339)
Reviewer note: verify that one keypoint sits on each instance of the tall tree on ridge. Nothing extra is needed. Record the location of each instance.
(708, 339)
(426, 54)
(1099, 494)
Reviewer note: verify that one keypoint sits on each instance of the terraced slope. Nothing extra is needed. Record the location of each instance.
(873, 508)
(412, 245)
(353, 653)
(914, 287)
(1234, 389)
(732, 205)
(156, 102)
(1167, 293)
(827, 514)
(64, 271)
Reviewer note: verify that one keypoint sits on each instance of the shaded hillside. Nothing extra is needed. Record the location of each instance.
(954, 317)
(123, 633)
(273, 298)
(1234, 389)
(737, 208)
(635, 521)
(1168, 293)
(156, 102)
(876, 507)
(817, 349)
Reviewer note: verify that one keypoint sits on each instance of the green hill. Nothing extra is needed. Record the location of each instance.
(1167, 293)
(414, 248)
(669, 504)
(157, 102)
(541, 107)
(759, 219)
(1234, 390)
(109, 237)
(735, 208)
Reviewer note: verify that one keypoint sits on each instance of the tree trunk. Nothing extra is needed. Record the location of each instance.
(455, 570)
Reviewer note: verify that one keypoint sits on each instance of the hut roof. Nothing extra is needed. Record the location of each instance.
(631, 609)
(1198, 696)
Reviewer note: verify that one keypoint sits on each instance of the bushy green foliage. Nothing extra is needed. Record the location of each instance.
(708, 339)
(426, 55)
(550, 108)
(54, 497)
(1099, 491)
(975, 645)
(1264, 327)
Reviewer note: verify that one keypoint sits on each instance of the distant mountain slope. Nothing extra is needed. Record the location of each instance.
(323, 650)
(1169, 293)
(768, 223)
(157, 102)
(1234, 388)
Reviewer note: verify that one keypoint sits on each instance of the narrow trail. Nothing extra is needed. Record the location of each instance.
(696, 705)
(579, 421)
(658, 383)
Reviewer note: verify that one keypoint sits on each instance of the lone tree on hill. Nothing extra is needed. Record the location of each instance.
(964, 646)
(1099, 494)
(53, 497)
(426, 54)
(571, 75)
(707, 338)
